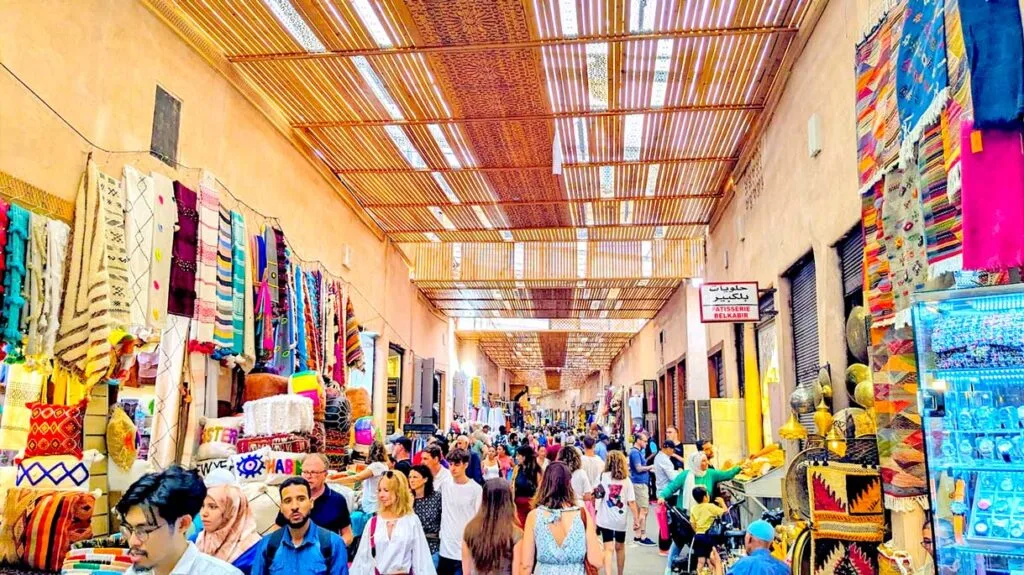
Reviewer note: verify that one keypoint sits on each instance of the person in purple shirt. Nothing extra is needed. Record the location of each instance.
(759, 560)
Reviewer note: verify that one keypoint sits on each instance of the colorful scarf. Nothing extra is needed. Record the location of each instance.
(353, 346)
(995, 46)
(876, 263)
(237, 282)
(4, 208)
(139, 222)
(206, 274)
(83, 347)
(223, 332)
(248, 358)
(57, 235)
(942, 219)
(36, 317)
(165, 214)
(921, 79)
(960, 95)
(301, 349)
(182, 300)
(993, 198)
(14, 302)
(273, 271)
(903, 227)
(284, 360)
(238, 532)
(263, 309)
(877, 117)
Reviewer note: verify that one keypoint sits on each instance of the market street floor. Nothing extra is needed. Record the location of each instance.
(645, 560)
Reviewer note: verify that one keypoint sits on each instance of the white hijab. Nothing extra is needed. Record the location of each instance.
(695, 466)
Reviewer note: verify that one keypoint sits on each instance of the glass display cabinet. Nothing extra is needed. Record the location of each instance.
(970, 358)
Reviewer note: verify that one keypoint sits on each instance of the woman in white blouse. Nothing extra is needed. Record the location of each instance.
(393, 543)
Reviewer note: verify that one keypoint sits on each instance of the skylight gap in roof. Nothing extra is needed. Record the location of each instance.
(443, 184)
(405, 146)
(377, 87)
(482, 216)
(597, 75)
(296, 26)
(662, 62)
(372, 23)
(607, 178)
(641, 15)
(567, 14)
(652, 180)
(633, 136)
(442, 142)
(582, 140)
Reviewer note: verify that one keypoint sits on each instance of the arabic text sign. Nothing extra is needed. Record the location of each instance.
(729, 302)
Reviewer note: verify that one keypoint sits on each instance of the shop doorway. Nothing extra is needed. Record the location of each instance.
(393, 417)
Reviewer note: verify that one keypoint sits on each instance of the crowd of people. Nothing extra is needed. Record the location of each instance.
(544, 502)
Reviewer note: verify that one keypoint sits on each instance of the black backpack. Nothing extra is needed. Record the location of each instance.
(278, 536)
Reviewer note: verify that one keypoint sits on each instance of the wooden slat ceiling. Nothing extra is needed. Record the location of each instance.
(443, 118)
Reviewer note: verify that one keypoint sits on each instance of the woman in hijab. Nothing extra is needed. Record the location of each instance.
(229, 528)
(697, 473)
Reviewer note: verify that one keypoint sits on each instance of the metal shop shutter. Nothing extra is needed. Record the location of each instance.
(851, 259)
(804, 299)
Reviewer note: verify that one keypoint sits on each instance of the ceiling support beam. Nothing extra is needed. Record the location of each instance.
(596, 201)
(668, 161)
(532, 117)
(520, 45)
(516, 229)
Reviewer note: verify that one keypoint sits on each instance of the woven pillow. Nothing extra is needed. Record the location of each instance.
(252, 466)
(220, 436)
(204, 467)
(337, 413)
(282, 465)
(290, 442)
(60, 472)
(55, 429)
(307, 384)
(96, 560)
(120, 480)
(278, 414)
(265, 504)
(58, 519)
(121, 445)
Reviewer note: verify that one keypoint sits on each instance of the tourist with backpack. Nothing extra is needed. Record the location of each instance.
(393, 542)
(300, 546)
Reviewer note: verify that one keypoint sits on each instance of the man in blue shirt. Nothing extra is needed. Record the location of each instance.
(640, 475)
(601, 447)
(301, 546)
(759, 560)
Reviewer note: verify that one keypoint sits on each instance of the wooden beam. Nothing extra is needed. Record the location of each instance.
(440, 228)
(520, 45)
(532, 117)
(671, 161)
(806, 29)
(596, 201)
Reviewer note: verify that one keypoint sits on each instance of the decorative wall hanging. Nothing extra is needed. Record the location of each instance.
(877, 117)
(995, 49)
(993, 198)
(922, 83)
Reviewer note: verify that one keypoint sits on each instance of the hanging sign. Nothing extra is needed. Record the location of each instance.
(734, 302)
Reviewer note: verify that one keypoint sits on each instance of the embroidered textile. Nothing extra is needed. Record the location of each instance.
(839, 557)
(278, 414)
(57, 235)
(14, 278)
(942, 219)
(223, 332)
(57, 520)
(353, 345)
(876, 262)
(959, 90)
(55, 429)
(139, 220)
(301, 350)
(995, 49)
(36, 317)
(23, 386)
(206, 274)
(4, 208)
(112, 197)
(248, 358)
(182, 297)
(238, 271)
(163, 445)
(290, 442)
(284, 355)
(993, 198)
(877, 116)
(165, 218)
(846, 502)
(903, 228)
(55, 472)
(921, 79)
(17, 507)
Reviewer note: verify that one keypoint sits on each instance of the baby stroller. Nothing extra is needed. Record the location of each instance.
(681, 532)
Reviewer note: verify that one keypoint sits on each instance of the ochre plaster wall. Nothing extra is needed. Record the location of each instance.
(98, 62)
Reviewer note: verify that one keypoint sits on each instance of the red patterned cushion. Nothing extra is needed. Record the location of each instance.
(55, 429)
(290, 442)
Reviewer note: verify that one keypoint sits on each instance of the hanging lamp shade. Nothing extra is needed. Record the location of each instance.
(793, 429)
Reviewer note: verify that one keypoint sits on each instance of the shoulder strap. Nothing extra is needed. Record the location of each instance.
(271, 549)
(325, 546)
(373, 543)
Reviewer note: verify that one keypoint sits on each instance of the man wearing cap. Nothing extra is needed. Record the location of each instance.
(664, 472)
(759, 560)
(401, 452)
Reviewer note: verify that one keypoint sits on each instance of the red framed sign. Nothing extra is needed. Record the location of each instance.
(729, 302)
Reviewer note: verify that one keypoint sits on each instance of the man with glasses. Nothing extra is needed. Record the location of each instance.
(156, 513)
(301, 547)
(330, 510)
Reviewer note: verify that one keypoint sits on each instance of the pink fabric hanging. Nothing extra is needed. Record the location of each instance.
(993, 198)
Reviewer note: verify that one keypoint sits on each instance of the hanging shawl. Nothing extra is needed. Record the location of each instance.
(922, 83)
(312, 321)
(301, 348)
(338, 313)
(223, 331)
(183, 262)
(206, 274)
(165, 217)
(262, 310)
(36, 315)
(273, 270)
(4, 208)
(139, 222)
(57, 235)
(248, 357)
(112, 200)
(17, 245)
(83, 345)
(237, 282)
(353, 347)
(284, 359)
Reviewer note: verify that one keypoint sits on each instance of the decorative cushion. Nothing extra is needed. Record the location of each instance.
(251, 466)
(337, 442)
(290, 442)
(338, 414)
(359, 402)
(58, 519)
(265, 503)
(318, 439)
(55, 429)
(61, 472)
(282, 465)
(220, 435)
(96, 560)
(278, 414)
(307, 384)
(260, 385)
(121, 439)
(204, 467)
(120, 480)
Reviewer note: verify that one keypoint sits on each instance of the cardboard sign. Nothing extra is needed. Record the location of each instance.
(734, 302)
